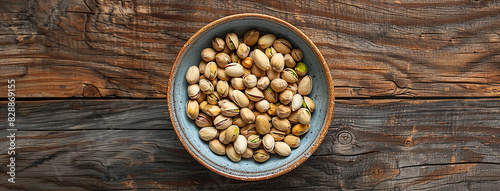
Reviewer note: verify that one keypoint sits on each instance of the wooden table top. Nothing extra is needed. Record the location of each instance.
(417, 87)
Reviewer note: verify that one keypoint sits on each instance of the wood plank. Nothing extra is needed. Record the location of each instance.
(373, 48)
(395, 144)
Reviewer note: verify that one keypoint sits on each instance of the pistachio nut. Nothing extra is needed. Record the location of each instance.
(285, 97)
(268, 142)
(282, 148)
(240, 144)
(201, 67)
(211, 110)
(243, 50)
(251, 105)
(230, 109)
(222, 88)
(251, 37)
(254, 94)
(257, 71)
(289, 61)
(283, 111)
(277, 62)
(202, 97)
(238, 84)
(282, 46)
(226, 49)
(297, 54)
(281, 124)
(194, 91)
(309, 104)
(262, 105)
(292, 141)
(222, 137)
(203, 120)
(262, 125)
(208, 54)
(300, 129)
(247, 154)
(272, 109)
(214, 82)
(289, 75)
(250, 80)
(277, 134)
(232, 41)
(222, 59)
(239, 122)
(221, 74)
(234, 70)
(192, 109)
(270, 95)
(234, 57)
(293, 118)
(247, 115)
(296, 103)
(278, 85)
(222, 102)
(270, 52)
(211, 71)
(266, 40)
(261, 155)
(239, 98)
(305, 85)
(261, 60)
(217, 147)
(253, 141)
(208, 133)
(218, 44)
(272, 74)
(246, 71)
(304, 116)
(265, 115)
(193, 75)
(248, 130)
(263, 82)
(231, 153)
(232, 133)
(222, 122)
(247, 62)
(301, 69)
(213, 98)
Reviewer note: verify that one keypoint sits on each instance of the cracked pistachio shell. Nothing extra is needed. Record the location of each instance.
(253, 141)
(222, 88)
(272, 74)
(213, 98)
(268, 142)
(234, 70)
(222, 59)
(262, 105)
(238, 84)
(194, 91)
(281, 124)
(283, 111)
(278, 62)
(261, 60)
(270, 52)
(231, 153)
(266, 40)
(243, 50)
(301, 69)
(277, 134)
(272, 109)
(292, 87)
(309, 104)
(292, 141)
(254, 94)
(251, 37)
(201, 67)
(208, 54)
(278, 85)
(239, 122)
(296, 102)
(222, 137)
(297, 54)
(232, 133)
(240, 144)
(257, 71)
(293, 118)
(305, 85)
(250, 80)
(211, 110)
(230, 109)
(240, 98)
(232, 41)
(208, 133)
(248, 130)
(206, 86)
(247, 154)
(270, 95)
(282, 148)
(289, 61)
(211, 71)
(217, 147)
(261, 155)
(282, 46)
(222, 122)
(263, 83)
(192, 109)
(262, 125)
(286, 96)
(193, 75)
(304, 116)
(202, 97)
(247, 62)
(300, 129)
(289, 75)
(247, 115)
(218, 44)
(226, 50)
(203, 120)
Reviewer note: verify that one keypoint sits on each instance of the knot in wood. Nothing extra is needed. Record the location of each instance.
(344, 138)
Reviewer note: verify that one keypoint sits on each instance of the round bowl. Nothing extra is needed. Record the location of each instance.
(247, 169)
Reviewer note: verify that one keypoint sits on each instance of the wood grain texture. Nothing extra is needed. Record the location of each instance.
(399, 144)
(111, 48)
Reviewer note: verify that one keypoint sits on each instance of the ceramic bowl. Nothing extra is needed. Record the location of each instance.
(187, 131)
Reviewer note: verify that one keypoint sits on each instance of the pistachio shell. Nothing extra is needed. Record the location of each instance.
(283, 111)
(292, 87)
(268, 142)
(297, 54)
(222, 122)
(263, 83)
(247, 154)
(292, 141)
(243, 50)
(248, 130)
(251, 105)
(222, 137)
(265, 115)
(238, 84)
(289, 75)
(281, 124)
(222, 102)
(261, 60)
(232, 41)
(282, 46)
(305, 85)
(240, 144)
(261, 155)
(301, 69)
(304, 116)
(246, 71)
(192, 109)
(266, 40)
(270, 95)
(257, 71)
(217, 147)
(221, 74)
(289, 61)
(234, 57)
(206, 86)
(293, 118)
(247, 62)
(270, 52)
(254, 94)
(230, 109)
(213, 98)
(238, 121)
(251, 37)
(277, 62)
(309, 104)
(272, 109)
(240, 98)
(222, 59)
(253, 141)
(285, 97)
(262, 125)
(226, 49)
(202, 97)
(222, 88)
(262, 105)
(234, 70)
(300, 129)
(208, 54)
(193, 75)
(278, 85)
(231, 153)
(218, 44)
(282, 148)
(211, 70)
(277, 134)
(272, 74)
(250, 81)
(211, 110)
(208, 133)
(201, 67)
(194, 91)
(203, 120)
(232, 133)
(247, 115)
(296, 102)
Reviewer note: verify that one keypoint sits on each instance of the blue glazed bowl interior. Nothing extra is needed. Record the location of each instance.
(247, 168)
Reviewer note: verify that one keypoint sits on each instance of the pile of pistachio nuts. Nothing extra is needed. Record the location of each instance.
(250, 96)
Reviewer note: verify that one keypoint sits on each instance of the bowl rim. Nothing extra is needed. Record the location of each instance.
(313, 47)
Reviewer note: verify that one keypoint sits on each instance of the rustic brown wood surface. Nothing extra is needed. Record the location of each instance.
(417, 86)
